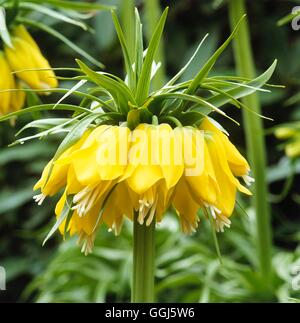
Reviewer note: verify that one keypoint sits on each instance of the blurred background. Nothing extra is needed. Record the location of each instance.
(188, 269)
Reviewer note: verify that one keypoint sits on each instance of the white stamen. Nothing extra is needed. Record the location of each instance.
(147, 204)
(87, 242)
(221, 222)
(248, 180)
(39, 199)
(213, 211)
(86, 199)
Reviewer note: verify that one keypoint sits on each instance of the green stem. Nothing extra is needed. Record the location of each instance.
(143, 262)
(255, 142)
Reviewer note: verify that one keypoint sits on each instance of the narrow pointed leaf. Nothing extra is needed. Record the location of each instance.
(241, 91)
(118, 89)
(67, 209)
(210, 63)
(45, 107)
(75, 5)
(145, 77)
(127, 59)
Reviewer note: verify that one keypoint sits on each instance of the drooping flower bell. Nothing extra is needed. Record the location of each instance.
(113, 172)
(9, 101)
(290, 132)
(25, 55)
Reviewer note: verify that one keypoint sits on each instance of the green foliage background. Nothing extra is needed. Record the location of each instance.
(188, 267)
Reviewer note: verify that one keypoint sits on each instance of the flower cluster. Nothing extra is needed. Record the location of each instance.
(23, 55)
(113, 172)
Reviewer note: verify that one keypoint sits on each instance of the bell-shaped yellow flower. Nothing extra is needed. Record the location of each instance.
(25, 55)
(9, 101)
(6, 81)
(113, 172)
(292, 148)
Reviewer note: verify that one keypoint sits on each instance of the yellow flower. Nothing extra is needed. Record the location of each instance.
(292, 148)
(284, 132)
(113, 172)
(25, 54)
(9, 101)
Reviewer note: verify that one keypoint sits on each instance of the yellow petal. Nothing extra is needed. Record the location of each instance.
(20, 58)
(237, 163)
(186, 207)
(85, 165)
(112, 152)
(171, 154)
(21, 32)
(226, 198)
(6, 83)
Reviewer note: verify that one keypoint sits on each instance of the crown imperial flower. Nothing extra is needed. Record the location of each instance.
(133, 151)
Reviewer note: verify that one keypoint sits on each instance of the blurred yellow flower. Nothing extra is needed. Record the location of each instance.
(292, 133)
(25, 54)
(113, 172)
(9, 101)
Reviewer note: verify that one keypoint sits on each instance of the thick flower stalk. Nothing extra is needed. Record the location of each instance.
(113, 172)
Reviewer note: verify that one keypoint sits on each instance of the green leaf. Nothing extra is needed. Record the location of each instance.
(128, 62)
(61, 37)
(191, 117)
(118, 89)
(210, 63)
(145, 77)
(233, 100)
(74, 5)
(67, 209)
(45, 107)
(44, 124)
(68, 92)
(240, 91)
(139, 46)
(52, 13)
(191, 98)
(181, 72)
